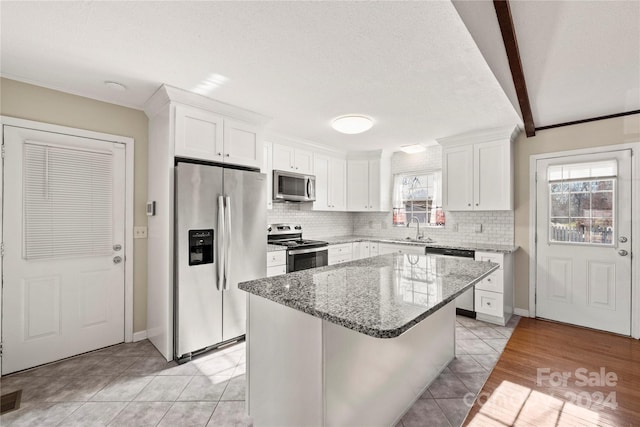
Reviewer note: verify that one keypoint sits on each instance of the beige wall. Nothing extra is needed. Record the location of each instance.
(594, 134)
(36, 103)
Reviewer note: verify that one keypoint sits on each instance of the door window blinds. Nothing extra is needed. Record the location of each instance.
(67, 195)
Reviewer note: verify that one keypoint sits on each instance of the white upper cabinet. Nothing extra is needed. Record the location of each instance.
(242, 144)
(369, 183)
(199, 134)
(203, 135)
(477, 171)
(331, 184)
(287, 158)
(457, 186)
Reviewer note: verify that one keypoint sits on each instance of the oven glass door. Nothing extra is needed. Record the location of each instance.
(303, 261)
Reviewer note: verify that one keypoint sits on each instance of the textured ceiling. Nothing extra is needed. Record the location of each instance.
(412, 66)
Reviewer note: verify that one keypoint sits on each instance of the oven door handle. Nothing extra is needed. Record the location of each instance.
(306, 251)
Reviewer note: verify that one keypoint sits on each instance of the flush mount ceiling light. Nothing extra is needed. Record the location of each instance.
(352, 124)
(411, 149)
(118, 87)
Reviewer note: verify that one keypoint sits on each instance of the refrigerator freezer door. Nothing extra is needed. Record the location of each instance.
(198, 304)
(247, 257)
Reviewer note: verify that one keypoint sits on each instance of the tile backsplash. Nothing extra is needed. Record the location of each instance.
(496, 226)
(315, 225)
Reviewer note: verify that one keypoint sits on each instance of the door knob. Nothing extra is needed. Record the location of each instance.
(117, 260)
(622, 252)
(117, 247)
(622, 239)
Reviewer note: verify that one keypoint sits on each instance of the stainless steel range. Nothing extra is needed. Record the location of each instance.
(301, 254)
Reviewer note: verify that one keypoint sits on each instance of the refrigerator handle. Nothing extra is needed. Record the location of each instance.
(220, 242)
(227, 236)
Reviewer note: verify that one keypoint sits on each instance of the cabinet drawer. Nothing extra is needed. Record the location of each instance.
(490, 256)
(339, 259)
(490, 303)
(276, 270)
(276, 258)
(494, 282)
(342, 249)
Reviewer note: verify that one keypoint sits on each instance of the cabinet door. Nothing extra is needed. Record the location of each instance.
(373, 249)
(457, 178)
(337, 184)
(267, 169)
(242, 144)
(303, 161)
(321, 168)
(492, 176)
(283, 157)
(357, 250)
(374, 185)
(199, 134)
(365, 249)
(358, 185)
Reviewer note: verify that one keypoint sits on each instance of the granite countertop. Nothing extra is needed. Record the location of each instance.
(274, 248)
(487, 247)
(382, 296)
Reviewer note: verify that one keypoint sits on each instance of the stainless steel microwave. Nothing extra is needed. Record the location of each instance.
(293, 187)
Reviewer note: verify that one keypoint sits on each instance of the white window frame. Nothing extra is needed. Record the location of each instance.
(415, 173)
(129, 183)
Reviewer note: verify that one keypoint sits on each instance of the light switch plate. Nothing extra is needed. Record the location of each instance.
(140, 232)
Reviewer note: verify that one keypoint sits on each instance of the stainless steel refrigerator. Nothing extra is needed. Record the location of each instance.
(220, 240)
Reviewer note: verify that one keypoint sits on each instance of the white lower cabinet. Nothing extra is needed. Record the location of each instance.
(340, 253)
(494, 294)
(276, 263)
(389, 248)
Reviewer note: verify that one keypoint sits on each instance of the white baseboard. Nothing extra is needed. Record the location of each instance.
(139, 336)
(518, 311)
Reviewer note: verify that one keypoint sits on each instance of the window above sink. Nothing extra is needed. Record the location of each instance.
(418, 195)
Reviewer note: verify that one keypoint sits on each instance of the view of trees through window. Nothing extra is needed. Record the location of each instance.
(418, 195)
(582, 211)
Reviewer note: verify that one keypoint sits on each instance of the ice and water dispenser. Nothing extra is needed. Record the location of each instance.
(200, 247)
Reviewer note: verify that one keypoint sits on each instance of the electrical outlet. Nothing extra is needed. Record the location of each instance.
(370, 224)
(478, 228)
(140, 232)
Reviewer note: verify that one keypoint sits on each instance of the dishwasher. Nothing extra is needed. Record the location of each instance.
(464, 302)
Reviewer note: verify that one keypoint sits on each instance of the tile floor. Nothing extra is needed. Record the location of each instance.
(132, 385)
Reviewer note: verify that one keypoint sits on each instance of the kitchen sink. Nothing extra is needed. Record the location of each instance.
(424, 240)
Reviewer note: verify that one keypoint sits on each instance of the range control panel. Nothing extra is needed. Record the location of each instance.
(200, 247)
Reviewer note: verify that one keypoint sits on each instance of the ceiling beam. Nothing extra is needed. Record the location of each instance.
(508, 31)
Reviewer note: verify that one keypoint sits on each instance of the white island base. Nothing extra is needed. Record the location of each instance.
(306, 371)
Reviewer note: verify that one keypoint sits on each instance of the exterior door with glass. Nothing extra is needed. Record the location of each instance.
(583, 231)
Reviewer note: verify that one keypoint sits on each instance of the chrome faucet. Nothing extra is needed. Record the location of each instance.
(418, 235)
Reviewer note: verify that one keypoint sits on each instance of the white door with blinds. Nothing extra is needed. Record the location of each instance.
(583, 254)
(64, 224)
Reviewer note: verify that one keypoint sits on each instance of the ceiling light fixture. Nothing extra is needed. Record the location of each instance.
(352, 124)
(412, 149)
(119, 87)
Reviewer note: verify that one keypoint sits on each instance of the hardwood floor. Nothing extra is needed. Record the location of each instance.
(558, 375)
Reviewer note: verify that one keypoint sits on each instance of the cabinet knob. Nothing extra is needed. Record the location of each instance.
(370, 207)
(476, 204)
(296, 167)
(489, 279)
(469, 204)
(228, 155)
(219, 154)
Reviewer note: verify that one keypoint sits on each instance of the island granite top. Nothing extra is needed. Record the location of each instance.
(382, 296)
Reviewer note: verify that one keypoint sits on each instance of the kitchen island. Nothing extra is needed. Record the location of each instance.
(352, 344)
